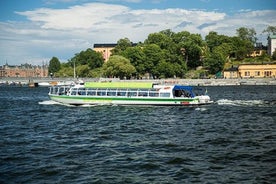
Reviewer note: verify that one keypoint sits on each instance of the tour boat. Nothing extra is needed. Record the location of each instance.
(128, 93)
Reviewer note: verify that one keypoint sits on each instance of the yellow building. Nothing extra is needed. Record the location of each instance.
(251, 71)
(105, 49)
(231, 73)
(257, 70)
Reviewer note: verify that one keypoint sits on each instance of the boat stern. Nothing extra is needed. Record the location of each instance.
(204, 99)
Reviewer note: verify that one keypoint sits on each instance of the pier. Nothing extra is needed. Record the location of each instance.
(193, 82)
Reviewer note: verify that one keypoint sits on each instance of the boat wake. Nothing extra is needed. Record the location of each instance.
(48, 102)
(242, 102)
(200, 109)
(51, 102)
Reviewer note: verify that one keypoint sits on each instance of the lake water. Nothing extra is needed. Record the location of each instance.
(230, 141)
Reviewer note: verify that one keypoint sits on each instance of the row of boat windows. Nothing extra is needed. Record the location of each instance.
(108, 92)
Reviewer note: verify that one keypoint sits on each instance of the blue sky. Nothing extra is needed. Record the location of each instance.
(33, 31)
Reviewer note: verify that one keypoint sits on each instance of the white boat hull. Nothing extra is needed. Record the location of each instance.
(81, 100)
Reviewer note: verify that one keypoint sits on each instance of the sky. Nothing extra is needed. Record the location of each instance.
(34, 31)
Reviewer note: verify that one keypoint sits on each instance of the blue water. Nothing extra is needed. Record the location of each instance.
(230, 141)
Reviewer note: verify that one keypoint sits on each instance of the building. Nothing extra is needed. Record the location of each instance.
(271, 46)
(231, 73)
(259, 50)
(105, 49)
(257, 70)
(251, 71)
(24, 70)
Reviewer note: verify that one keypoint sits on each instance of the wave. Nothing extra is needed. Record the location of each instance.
(48, 102)
(241, 102)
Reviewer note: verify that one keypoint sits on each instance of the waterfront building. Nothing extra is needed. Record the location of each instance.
(271, 44)
(251, 71)
(257, 70)
(231, 73)
(24, 70)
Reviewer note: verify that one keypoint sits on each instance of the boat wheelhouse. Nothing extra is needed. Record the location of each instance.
(127, 93)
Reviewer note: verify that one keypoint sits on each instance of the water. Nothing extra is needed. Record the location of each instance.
(230, 141)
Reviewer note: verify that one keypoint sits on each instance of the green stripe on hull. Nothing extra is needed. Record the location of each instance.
(125, 99)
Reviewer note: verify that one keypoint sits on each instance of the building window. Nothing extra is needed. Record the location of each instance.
(267, 73)
(247, 73)
(257, 73)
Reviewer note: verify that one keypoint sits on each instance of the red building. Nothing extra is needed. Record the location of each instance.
(24, 70)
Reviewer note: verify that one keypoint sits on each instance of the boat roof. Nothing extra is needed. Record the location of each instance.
(121, 85)
(179, 87)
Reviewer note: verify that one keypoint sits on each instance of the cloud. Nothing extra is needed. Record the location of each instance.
(64, 32)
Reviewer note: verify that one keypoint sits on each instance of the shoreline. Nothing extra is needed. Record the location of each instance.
(189, 82)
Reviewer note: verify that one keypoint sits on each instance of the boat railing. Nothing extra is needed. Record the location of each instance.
(118, 92)
(153, 92)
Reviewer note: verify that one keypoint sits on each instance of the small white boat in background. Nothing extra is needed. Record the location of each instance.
(56, 83)
(128, 93)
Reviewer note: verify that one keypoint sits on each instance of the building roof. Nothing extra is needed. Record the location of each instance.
(109, 45)
(100, 45)
(232, 69)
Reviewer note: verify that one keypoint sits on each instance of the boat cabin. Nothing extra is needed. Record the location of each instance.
(160, 91)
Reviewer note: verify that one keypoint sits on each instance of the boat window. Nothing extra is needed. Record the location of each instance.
(153, 94)
(62, 91)
(132, 92)
(183, 93)
(121, 93)
(73, 92)
(101, 93)
(143, 93)
(164, 94)
(111, 92)
(91, 92)
(82, 92)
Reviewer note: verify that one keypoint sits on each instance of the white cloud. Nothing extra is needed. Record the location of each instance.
(64, 32)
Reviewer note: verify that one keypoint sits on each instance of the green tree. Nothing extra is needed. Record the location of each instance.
(274, 55)
(121, 46)
(247, 34)
(137, 59)
(88, 57)
(161, 39)
(214, 63)
(83, 70)
(154, 55)
(54, 65)
(65, 71)
(118, 66)
(241, 48)
(270, 30)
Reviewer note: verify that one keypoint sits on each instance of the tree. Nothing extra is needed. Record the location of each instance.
(154, 55)
(247, 34)
(83, 70)
(274, 55)
(137, 59)
(161, 39)
(118, 66)
(271, 30)
(121, 46)
(54, 66)
(88, 57)
(241, 48)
